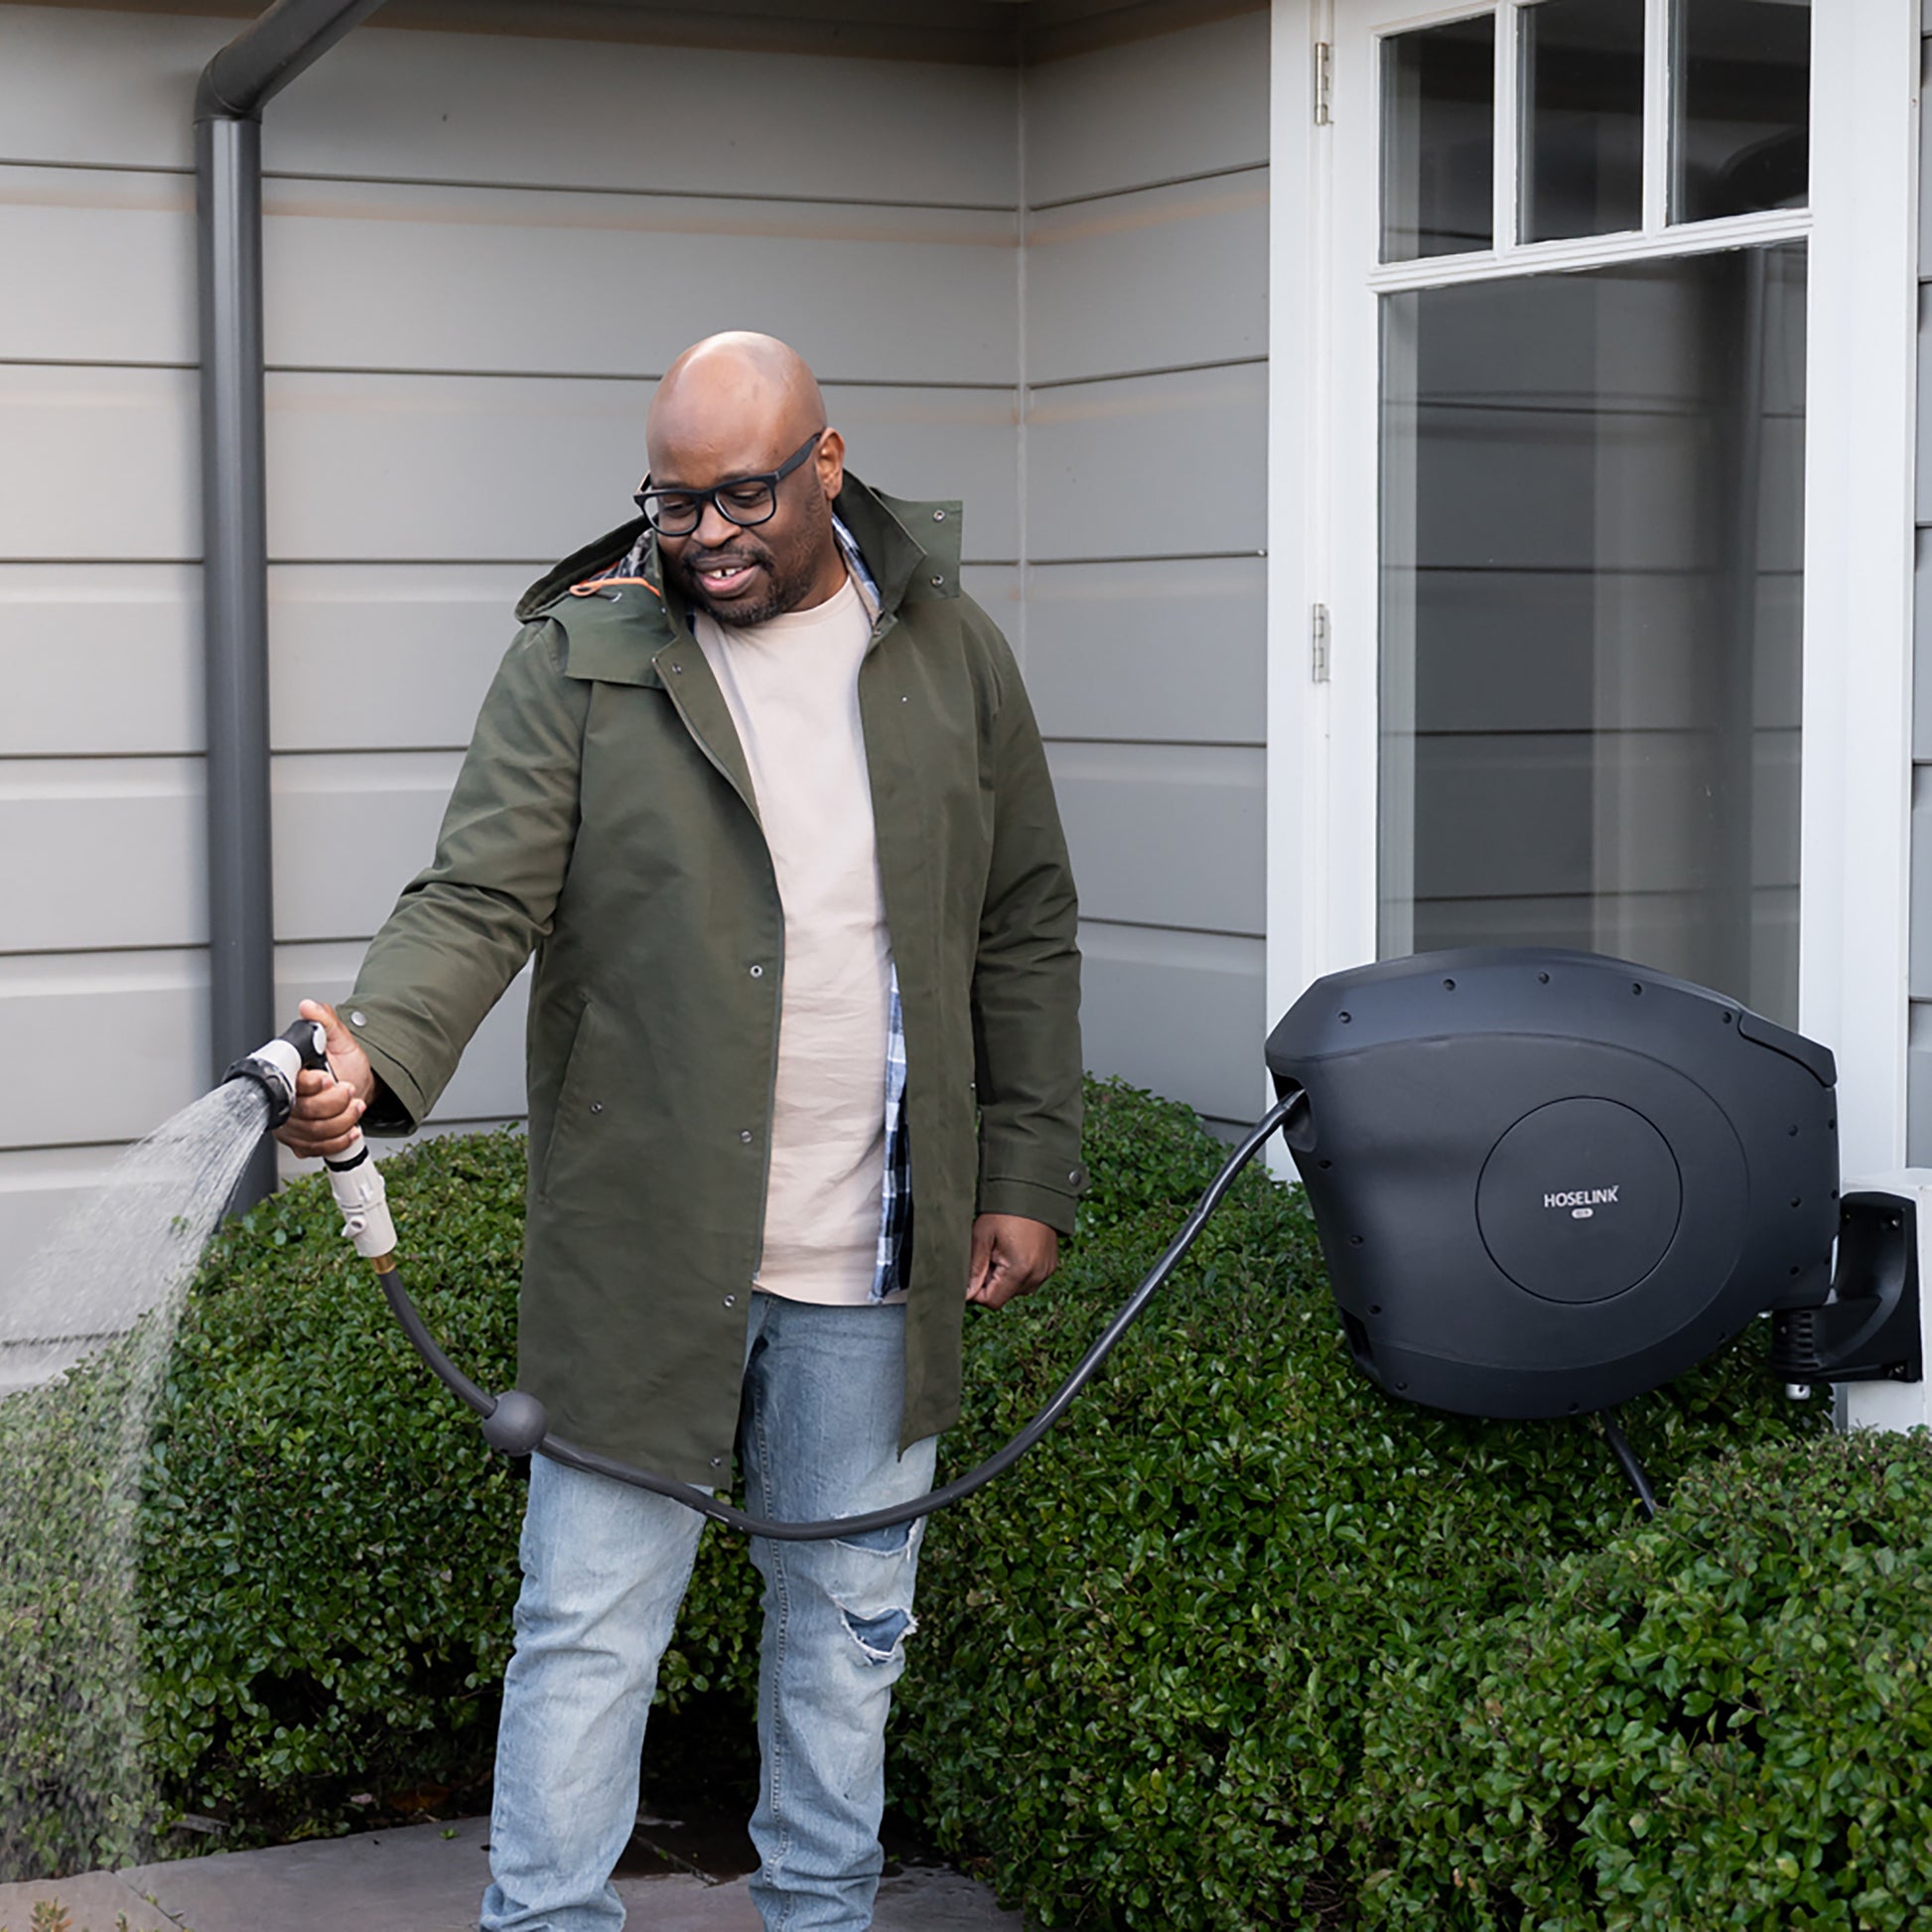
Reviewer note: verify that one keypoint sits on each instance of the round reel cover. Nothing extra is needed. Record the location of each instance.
(1547, 1181)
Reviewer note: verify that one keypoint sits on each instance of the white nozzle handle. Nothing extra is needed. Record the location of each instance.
(356, 1182)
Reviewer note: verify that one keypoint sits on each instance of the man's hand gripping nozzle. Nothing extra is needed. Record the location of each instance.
(512, 1422)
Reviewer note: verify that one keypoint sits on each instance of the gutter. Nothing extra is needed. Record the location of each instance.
(234, 88)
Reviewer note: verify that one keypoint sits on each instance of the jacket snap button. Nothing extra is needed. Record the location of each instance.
(758, 972)
(937, 583)
(358, 1020)
(717, 1461)
(1074, 1177)
(597, 1106)
(731, 1301)
(745, 1135)
(938, 516)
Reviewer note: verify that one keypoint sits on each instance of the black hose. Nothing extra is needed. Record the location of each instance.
(1626, 1460)
(706, 1504)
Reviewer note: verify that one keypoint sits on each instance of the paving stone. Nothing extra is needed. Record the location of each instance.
(429, 1878)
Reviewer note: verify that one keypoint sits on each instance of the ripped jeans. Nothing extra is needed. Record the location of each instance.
(605, 1567)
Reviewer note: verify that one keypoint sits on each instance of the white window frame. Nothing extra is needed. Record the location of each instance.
(1859, 464)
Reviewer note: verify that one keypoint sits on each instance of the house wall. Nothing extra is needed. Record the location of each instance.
(479, 254)
(1144, 502)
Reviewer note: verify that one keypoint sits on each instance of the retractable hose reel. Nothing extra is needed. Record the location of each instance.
(1545, 1182)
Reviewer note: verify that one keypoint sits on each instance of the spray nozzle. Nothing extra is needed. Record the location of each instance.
(273, 1067)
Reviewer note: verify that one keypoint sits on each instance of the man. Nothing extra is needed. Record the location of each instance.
(763, 792)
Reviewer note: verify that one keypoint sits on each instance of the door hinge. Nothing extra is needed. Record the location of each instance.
(1318, 644)
(1323, 82)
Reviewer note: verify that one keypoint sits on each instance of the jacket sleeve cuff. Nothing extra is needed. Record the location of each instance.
(398, 1104)
(1035, 1200)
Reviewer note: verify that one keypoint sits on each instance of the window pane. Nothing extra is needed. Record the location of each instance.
(1438, 101)
(1583, 117)
(1742, 88)
(1591, 554)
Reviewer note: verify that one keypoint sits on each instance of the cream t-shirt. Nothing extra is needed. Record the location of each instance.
(791, 685)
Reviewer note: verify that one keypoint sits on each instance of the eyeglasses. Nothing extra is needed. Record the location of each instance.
(744, 500)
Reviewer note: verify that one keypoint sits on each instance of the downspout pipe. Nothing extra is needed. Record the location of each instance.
(234, 88)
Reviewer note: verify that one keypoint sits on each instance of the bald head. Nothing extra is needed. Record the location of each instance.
(736, 394)
(744, 406)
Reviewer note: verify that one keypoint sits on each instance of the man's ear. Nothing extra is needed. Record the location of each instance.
(830, 459)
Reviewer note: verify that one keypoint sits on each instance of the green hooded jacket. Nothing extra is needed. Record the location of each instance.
(603, 820)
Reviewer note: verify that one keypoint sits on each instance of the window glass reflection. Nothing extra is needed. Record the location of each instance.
(1438, 96)
(1583, 117)
(1591, 552)
(1742, 88)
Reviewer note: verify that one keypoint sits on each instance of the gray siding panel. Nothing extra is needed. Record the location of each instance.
(98, 464)
(79, 1072)
(102, 852)
(452, 468)
(1180, 1013)
(100, 265)
(1093, 451)
(1920, 969)
(1151, 280)
(1166, 835)
(501, 108)
(385, 657)
(333, 804)
(474, 279)
(1158, 109)
(1173, 652)
(100, 662)
(1922, 641)
(1146, 313)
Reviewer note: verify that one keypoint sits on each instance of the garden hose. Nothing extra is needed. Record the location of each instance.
(517, 1424)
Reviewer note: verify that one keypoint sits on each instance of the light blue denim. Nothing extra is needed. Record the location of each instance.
(605, 1567)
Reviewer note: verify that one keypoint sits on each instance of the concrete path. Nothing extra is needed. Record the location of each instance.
(429, 1878)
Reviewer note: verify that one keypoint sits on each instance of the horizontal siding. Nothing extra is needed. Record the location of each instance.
(1174, 105)
(1178, 1012)
(101, 662)
(99, 464)
(100, 263)
(397, 104)
(449, 468)
(446, 469)
(1146, 332)
(476, 265)
(1147, 281)
(1174, 653)
(1091, 453)
(101, 1047)
(1167, 835)
(102, 852)
(385, 657)
(618, 284)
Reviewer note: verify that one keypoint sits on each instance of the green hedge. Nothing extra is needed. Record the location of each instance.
(1722, 1719)
(1148, 1653)
(1208, 1659)
(330, 1548)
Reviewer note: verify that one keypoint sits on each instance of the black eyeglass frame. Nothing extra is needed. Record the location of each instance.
(647, 498)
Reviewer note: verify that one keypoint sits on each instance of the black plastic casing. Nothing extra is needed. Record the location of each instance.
(1547, 1181)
